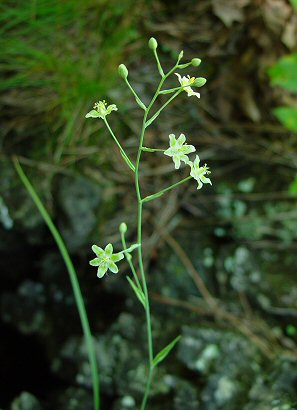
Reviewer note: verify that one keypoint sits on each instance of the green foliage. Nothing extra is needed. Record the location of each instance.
(287, 116)
(164, 352)
(294, 3)
(284, 72)
(54, 59)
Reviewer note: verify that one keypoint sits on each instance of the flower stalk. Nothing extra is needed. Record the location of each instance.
(178, 150)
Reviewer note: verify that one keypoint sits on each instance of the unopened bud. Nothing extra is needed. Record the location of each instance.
(180, 56)
(196, 62)
(153, 44)
(123, 228)
(199, 82)
(123, 71)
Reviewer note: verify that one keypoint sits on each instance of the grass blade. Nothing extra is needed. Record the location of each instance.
(73, 279)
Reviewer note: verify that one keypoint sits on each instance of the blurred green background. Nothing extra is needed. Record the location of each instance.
(221, 262)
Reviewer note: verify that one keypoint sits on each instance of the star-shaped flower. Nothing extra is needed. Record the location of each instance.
(106, 259)
(186, 82)
(199, 173)
(178, 150)
(101, 110)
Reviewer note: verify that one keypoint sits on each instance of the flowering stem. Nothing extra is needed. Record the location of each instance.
(139, 240)
(158, 194)
(124, 155)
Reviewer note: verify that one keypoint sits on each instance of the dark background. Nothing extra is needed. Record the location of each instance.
(221, 262)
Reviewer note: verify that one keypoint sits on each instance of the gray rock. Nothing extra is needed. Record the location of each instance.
(226, 363)
(79, 199)
(26, 401)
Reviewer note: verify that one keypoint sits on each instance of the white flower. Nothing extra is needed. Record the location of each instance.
(199, 173)
(101, 110)
(186, 82)
(178, 150)
(105, 259)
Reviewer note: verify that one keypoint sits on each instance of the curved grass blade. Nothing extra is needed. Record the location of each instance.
(73, 279)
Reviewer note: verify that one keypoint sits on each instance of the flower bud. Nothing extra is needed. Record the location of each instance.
(199, 82)
(153, 44)
(196, 62)
(180, 56)
(123, 71)
(123, 228)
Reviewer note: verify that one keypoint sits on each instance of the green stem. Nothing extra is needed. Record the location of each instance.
(73, 279)
(170, 90)
(140, 260)
(138, 100)
(158, 194)
(146, 149)
(162, 108)
(124, 155)
(129, 260)
(160, 69)
(140, 257)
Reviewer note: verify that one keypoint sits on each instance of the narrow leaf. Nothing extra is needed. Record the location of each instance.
(151, 197)
(138, 292)
(164, 352)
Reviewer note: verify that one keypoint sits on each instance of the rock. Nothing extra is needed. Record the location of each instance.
(26, 309)
(75, 399)
(79, 198)
(26, 401)
(277, 391)
(225, 362)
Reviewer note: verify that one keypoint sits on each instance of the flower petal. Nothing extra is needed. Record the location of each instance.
(117, 257)
(169, 152)
(205, 180)
(95, 262)
(187, 149)
(110, 108)
(184, 158)
(190, 92)
(172, 140)
(181, 139)
(113, 267)
(200, 185)
(99, 251)
(102, 270)
(108, 249)
(196, 161)
(92, 114)
(179, 77)
(176, 160)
